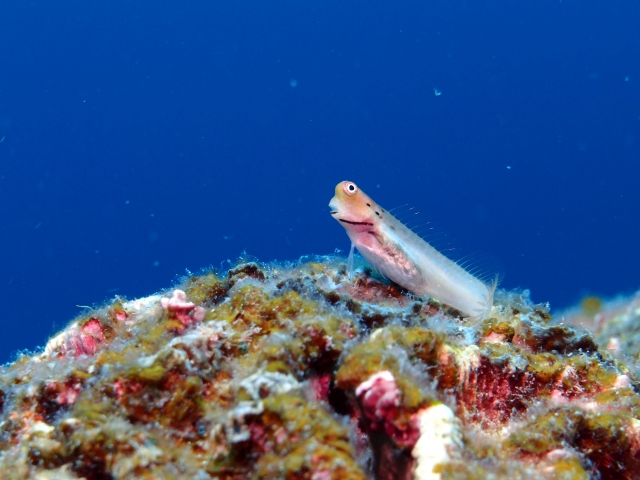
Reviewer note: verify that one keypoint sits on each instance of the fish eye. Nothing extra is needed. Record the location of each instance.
(350, 188)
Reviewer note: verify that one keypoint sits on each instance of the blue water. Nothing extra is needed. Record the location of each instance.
(144, 138)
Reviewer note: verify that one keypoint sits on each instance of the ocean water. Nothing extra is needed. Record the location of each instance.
(143, 139)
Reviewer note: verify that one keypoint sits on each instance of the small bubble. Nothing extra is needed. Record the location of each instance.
(293, 83)
(156, 263)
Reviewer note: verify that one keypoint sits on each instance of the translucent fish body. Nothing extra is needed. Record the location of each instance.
(402, 256)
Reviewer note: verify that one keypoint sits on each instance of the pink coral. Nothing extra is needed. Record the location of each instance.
(392, 436)
(379, 399)
(79, 340)
(182, 309)
(379, 396)
(65, 393)
(91, 336)
(320, 386)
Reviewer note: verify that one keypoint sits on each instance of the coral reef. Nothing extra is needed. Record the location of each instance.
(296, 372)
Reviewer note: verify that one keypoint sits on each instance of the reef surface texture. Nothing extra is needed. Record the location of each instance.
(296, 372)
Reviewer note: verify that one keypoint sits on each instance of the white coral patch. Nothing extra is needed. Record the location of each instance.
(142, 309)
(56, 342)
(62, 473)
(385, 376)
(142, 457)
(275, 383)
(469, 360)
(439, 431)
(141, 306)
(614, 345)
(41, 427)
(256, 385)
(137, 309)
(622, 381)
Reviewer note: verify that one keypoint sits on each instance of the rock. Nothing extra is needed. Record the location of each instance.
(296, 372)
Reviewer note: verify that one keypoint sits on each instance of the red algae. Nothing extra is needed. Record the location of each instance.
(295, 372)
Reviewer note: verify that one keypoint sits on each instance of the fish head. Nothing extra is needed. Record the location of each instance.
(353, 208)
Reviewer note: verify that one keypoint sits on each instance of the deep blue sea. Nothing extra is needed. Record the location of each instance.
(144, 138)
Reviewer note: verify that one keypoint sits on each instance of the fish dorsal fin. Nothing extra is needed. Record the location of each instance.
(480, 265)
(484, 267)
(412, 218)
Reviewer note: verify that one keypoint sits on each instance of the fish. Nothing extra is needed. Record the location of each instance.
(405, 258)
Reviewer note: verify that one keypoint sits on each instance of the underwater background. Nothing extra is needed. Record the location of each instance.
(141, 139)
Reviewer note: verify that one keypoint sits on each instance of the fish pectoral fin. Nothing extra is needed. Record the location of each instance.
(350, 262)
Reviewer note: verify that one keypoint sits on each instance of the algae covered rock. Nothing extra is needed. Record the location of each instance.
(296, 372)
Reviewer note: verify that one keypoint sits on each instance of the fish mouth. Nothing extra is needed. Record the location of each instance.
(334, 209)
(353, 222)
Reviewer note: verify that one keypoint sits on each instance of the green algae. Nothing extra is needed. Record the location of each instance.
(309, 336)
(297, 439)
(378, 354)
(545, 432)
(154, 373)
(205, 289)
(500, 326)
(593, 433)
(315, 442)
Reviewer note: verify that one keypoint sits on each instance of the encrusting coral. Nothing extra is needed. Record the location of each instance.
(296, 372)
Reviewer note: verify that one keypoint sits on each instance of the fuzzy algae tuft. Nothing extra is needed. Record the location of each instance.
(294, 372)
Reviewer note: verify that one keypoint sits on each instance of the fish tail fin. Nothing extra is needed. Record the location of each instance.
(492, 290)
(487, 301)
